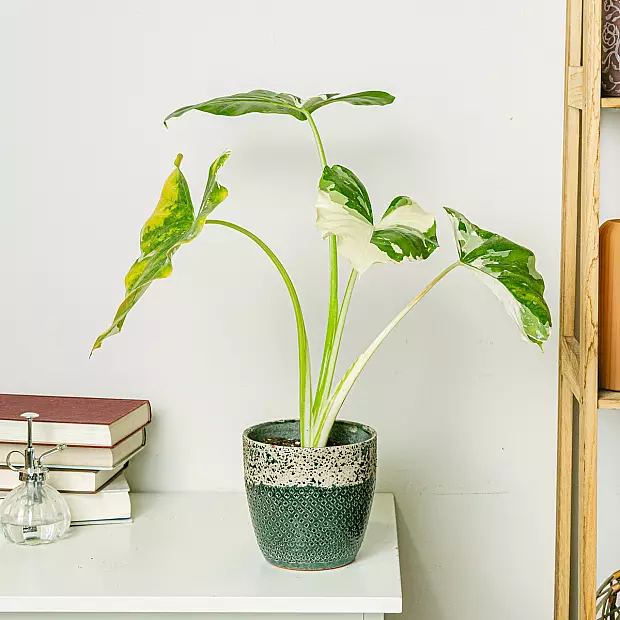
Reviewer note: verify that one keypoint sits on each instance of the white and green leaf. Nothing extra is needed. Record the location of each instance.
(344, 210)
(269, 102)
(510, 272)
(172, 224)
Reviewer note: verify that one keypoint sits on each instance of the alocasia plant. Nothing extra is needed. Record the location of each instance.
(344, 217)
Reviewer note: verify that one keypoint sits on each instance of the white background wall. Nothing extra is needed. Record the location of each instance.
(464, 409)
(609, 420)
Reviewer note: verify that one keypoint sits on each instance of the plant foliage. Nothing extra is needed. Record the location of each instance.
(345, 217)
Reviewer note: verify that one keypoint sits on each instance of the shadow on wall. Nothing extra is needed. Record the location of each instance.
(419, 601)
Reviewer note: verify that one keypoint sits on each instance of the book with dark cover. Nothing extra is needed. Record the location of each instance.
(77, 421)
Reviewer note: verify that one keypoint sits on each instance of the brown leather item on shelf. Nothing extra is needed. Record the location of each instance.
(610, 39)
(609, 305)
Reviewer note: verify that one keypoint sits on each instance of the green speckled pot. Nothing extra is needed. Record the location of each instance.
(310, 506)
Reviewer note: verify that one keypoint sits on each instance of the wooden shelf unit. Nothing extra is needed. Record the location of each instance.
(608, 399)
(579, 397)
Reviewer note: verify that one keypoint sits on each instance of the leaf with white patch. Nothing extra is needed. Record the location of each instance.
(510, 271)
(406, 231)
(172, 224)
(344, 210)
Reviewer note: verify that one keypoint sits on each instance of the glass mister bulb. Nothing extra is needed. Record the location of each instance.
(34, 513)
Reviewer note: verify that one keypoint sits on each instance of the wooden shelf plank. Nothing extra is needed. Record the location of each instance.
(608, 399)
(610, 102)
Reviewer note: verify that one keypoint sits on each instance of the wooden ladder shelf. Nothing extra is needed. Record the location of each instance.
(579, 396)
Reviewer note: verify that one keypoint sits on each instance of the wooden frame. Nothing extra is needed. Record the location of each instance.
(578, 394)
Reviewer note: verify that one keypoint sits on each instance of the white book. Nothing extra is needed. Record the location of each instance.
(110, 505)
(68, 480)
(79, 457)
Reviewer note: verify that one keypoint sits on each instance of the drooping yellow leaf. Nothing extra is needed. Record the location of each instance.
(171, 224)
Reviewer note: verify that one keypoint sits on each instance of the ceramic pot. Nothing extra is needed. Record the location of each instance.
(310, 506)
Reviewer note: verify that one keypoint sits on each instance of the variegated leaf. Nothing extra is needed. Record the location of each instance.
(172, 224)
(510, 271)
(269, 102)
(344, 210)
(406, 231)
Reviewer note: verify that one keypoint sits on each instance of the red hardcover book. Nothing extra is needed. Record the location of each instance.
(76, 421)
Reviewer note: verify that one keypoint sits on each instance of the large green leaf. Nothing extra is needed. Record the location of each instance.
(269, 102)
(172, 224)
(262, 101)
(344, 210)
(368, 97)
(510, 271)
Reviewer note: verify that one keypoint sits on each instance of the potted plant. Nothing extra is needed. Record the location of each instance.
(310, 480)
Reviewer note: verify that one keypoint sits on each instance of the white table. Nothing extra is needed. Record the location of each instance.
(194, 552)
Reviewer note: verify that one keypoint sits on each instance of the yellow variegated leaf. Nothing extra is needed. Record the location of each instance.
(172, 224)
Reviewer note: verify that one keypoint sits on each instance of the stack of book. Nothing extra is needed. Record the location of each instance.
(102, 436)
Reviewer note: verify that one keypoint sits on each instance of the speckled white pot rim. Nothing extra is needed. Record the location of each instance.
(289, 466)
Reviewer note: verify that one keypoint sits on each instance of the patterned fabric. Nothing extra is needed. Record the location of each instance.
(610, 78)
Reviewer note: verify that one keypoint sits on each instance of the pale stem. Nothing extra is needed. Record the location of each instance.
(305, 383)
(325, 381)
(332, 315)
(332, 408)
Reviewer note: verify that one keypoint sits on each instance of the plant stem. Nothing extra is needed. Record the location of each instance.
(317, 139)
(332, 408)
(332, 314)
(305, 382)
(325, 380)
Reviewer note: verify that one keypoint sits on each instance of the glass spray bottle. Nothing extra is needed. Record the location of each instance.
(34, 512)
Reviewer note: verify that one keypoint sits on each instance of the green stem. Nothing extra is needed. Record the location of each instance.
(317, 138)
(332, 314)
(305, 383)
(325, 380)
(332, 408)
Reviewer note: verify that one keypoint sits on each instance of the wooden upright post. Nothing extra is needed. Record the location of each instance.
(578, 357)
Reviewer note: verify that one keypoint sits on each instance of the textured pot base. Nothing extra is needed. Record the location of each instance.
(310, 528)
(310, 569)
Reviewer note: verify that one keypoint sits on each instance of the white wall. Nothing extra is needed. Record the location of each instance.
(609, 421)
(465, 410)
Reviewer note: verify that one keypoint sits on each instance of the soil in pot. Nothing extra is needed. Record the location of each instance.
(296, 443)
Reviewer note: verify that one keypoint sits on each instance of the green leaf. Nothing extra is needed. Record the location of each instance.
(344, 210)
(368, 97)
(510, 271)
(404, 231)
(269, 102)
(345, 189)
(172, 224)
(261, 101)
